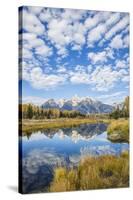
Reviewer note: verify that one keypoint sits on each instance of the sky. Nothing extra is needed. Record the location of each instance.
(67, 52)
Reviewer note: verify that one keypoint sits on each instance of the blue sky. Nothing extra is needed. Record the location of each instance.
(69, 52)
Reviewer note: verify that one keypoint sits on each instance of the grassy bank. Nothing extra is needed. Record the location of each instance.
(118, 130)
(93, 173)
(34, 125)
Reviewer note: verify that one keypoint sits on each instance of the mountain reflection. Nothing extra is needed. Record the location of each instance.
(45, 150)
(82, 132)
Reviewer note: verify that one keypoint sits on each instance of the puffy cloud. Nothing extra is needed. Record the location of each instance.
(104, 78)
(102, 24)
(126, 41)
(31, 44)
(39, 80)
(79, 77)
(117, 27)
(121, 64)
(99, 57)
(43, 50)
(50, 31)
(61, 69)
(117, 42)
(114, 18)
(32, 24)
(62, 36)
(35, 10)
(97, 18)
(73, 15)
(28, 36)
(26, 53)
(91, 22)
(96, 34)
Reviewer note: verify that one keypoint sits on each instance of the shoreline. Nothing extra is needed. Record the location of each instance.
(117, 131)
(34, 125)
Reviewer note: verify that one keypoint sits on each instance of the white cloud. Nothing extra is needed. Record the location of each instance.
(43, 50)
(31, 42)
(102, 24)
(121, 64)
(97, 18)
(96, 34)
(117, 27)
(62, 36)
(126, 41)
(91, 22)
(104, 78)
(73, 28)
(32, 24)
(34, 9)
(39, 80)
(61, 69)
(109, 52)
(114, 18)
(79, 77)
(26, 53)
(35, 43)
(57, 34)
(117, 42)
(28, 36)
(45, 15)
(99, 57)
(73, 15)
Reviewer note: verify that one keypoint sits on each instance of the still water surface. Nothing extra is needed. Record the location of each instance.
(45, 150)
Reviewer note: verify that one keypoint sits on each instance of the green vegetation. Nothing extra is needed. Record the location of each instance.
(121, 112)
(37, 118)
(93, 173)
(118, 130)
(34, 125)
(29, 111)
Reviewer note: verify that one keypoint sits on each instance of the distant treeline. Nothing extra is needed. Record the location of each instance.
(29, 111)
(121, 112)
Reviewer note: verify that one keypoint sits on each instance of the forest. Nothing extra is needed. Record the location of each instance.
(30, 111)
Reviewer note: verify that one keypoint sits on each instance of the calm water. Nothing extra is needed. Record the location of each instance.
(44, 150)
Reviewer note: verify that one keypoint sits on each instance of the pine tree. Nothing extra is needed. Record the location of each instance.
(29, 111)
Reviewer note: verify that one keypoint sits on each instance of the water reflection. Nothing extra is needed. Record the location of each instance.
(47, 149)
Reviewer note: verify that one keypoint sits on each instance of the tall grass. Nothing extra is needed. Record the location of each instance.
(34, 125)
(93, 173)
(118, 130)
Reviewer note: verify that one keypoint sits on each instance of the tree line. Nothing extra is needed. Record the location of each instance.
(30, 111)
(121, 112)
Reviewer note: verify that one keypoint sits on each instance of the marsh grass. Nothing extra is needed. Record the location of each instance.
(93, 173)
(34, 125)
(118, 130)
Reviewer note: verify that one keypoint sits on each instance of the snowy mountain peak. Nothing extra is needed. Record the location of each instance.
(85, 105)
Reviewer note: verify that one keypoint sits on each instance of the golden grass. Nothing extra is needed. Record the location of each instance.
(93, 173)
(118, 130)
(34, 125)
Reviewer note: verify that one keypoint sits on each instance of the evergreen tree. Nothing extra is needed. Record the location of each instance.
(29, 111)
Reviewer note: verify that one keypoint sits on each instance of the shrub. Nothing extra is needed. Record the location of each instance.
(93, 173)
(118, 130)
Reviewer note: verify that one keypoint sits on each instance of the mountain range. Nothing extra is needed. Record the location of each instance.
(85, 105)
